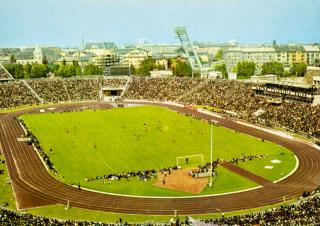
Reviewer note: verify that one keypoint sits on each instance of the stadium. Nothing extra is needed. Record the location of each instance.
(171, 147)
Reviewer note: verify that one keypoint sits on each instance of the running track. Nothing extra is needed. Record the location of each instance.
(34, 186)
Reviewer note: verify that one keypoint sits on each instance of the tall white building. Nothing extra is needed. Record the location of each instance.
(257, 54)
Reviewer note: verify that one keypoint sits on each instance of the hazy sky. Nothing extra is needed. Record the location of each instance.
(65, 22)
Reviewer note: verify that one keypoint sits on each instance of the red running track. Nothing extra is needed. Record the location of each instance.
(34, 186)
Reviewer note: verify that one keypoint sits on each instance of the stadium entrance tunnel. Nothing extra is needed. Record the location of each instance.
(111, 94)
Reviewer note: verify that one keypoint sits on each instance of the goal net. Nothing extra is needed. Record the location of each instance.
(189, 160)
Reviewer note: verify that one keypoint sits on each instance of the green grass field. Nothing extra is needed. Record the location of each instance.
(6, 194)
(90, 143)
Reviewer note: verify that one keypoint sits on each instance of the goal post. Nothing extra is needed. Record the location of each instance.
(192, 159)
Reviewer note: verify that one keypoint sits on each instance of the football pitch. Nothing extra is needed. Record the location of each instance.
(92, 143)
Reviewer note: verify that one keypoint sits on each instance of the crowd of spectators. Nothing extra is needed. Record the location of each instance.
(203, 169)
(72, 89)
(4, 75)
(227, 96)
(83, 89)
(144, 175)
(147, 88)
(36, 144)
(232, 97)
(10, 218)
(13, 94)
(115, 82)
(50, 90)
(177, 87)
(296, 117)
(304, 212)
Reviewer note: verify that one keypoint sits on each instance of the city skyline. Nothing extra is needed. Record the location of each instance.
(61, 23)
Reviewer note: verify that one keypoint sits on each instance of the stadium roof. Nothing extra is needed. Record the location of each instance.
(291, 84)
(100, 45)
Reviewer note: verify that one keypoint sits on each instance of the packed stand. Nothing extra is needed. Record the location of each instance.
(13, 94)
(50, 90)
(177, 87)
(146, 88)
(10, 217)
(83, 89)
(295, 117)
(115, 82)
(305, 212)
(235, 98)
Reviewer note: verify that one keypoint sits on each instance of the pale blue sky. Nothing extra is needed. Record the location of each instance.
(65, 22)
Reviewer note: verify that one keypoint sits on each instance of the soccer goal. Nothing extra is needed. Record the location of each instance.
(189, 159)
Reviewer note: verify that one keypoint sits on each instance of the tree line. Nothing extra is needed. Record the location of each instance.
(19, 71)
(246, 69)
(177, 66)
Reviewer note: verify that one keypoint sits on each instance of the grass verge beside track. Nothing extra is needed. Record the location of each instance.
(6, 193)
(73, 213)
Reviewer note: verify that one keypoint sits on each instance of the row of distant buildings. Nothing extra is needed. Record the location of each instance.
(285, 54)
(107, 54)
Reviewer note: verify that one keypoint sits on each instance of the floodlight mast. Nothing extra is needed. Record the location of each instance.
(187, 46)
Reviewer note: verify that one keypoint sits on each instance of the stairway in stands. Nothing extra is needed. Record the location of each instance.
(32, 91)
(127, 86)
(193, 90)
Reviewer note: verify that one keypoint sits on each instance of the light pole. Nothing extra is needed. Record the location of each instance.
(210, 183)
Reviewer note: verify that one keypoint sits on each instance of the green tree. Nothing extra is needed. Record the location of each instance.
(146, 65)
(182, 69)
(298, 69)
(55, 68)
(273, 67)
(61, 71)
(160, 67)
(16, 70)
(91, 69)
(38, 71)
(286, 74)
(75, 63)
(132, 69)
(69, 71)
(219, 55)
(245, 69)
(78, 71)
(12, 59)
(27, 70)
(45, 60)
(223, 69)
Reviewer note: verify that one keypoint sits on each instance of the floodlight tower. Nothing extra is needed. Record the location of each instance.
(187, 46)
